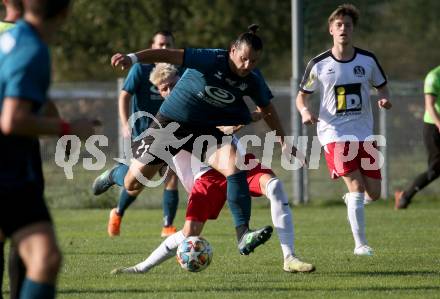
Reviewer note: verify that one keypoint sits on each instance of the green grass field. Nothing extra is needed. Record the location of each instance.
(406, 264)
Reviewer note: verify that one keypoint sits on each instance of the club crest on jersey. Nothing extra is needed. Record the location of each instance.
(218, 97)
(359, 71)
(348, 98)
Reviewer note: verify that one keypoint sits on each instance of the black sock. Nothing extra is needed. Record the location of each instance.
(2, 265)
(17, 272)
(241, 230)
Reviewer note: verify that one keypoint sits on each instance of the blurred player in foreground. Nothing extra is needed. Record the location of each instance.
(207, 194)
(344, 75)
(431, 138)
(14, 11)
(143, 96)
(25, 73)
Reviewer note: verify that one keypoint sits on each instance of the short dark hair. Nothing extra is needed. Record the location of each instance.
(345, 10)
(250, 38)
(164, 33)
(46, 9)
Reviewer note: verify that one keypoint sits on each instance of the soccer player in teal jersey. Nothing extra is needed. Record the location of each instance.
(431, 138)
(24, 82)
(143, 96)
(209, 94)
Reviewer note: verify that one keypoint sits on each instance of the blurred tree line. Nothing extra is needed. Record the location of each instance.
(404, 34)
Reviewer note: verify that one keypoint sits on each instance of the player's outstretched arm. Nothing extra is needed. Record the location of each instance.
(302, 100)
(384, 97)
(273, 121)
(124, 61)
(17, 119)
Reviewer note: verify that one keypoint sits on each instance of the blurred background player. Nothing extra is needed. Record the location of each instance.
(209, 94)
(431, 138)
(24, 80)
(207, 195)
(14, 11)
(343, 75)
(143, 96)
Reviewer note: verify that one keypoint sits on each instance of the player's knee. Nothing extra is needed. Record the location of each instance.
(374, 195)
(46, 265)
(434, 171)
(133, 187)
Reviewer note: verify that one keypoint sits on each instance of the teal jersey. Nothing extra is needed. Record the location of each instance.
(146, 97)
(210, 94)
(25, 75)
(432, 86)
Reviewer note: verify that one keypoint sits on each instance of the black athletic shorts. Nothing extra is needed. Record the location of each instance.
(22, 207)
(170, 141)
(431, 137)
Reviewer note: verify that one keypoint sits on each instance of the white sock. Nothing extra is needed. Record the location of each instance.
(355, 211)
(281, 215)
(166, 250)
(367, 199)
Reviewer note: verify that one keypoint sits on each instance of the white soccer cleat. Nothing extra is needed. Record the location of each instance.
(293, 264)
(125, 270)
(363, 250)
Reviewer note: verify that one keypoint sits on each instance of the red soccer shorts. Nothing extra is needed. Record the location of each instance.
(208, 195)
(345, 157)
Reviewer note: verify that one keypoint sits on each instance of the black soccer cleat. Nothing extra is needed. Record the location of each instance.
(254, 238)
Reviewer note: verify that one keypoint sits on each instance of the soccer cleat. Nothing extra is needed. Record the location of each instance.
(363, 250)
(168, 231)
(114, 223)
(293, 264)
(400, 202)
(125, 270)
(103, 182)
(254, 238)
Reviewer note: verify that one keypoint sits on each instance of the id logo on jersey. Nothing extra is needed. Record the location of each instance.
(348, 98)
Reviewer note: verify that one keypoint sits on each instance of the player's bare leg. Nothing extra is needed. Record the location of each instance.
(40, 253)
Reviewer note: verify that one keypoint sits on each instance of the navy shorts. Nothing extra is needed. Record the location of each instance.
(22, 207)
(144, 149)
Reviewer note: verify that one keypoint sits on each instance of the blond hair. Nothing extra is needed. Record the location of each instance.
(162, 72)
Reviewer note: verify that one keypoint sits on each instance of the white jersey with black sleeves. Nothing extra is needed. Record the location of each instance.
(345, 110)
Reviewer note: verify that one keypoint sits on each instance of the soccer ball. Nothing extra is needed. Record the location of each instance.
(194, 254)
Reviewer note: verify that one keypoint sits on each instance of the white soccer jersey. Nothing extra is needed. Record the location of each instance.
(189, 168)
(345, 110)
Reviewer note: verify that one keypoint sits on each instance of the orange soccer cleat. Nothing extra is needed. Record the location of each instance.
(114, 223)
(168, 231)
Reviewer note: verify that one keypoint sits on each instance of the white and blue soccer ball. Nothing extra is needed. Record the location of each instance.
(194, 254)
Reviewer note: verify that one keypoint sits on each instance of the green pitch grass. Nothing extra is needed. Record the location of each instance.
(406, 264)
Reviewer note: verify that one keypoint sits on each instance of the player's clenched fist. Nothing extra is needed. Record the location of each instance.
(384, 103)
(121, 60)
